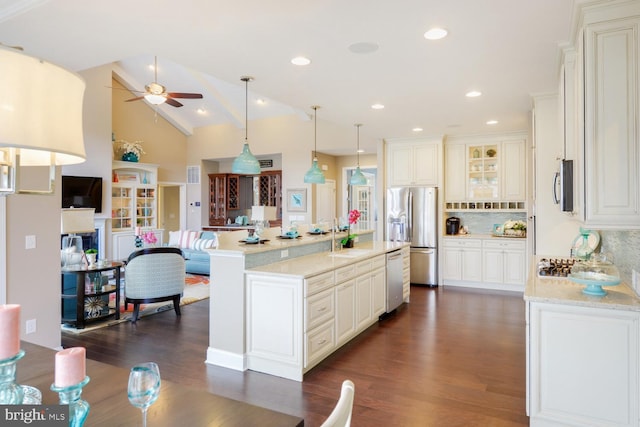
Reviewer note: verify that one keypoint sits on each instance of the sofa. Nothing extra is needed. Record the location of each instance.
(193, 245)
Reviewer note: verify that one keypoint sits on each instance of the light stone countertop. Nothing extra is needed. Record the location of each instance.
(231, 241)
(314, 264)
(563, 291)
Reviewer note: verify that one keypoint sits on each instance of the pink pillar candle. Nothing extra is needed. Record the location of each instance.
(70, 366)
(9, 330)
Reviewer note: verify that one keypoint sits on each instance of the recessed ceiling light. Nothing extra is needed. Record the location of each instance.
(417, 129)
(201, 111)
(492, 122)
(473, 94)
(363, 47)
(260, 101)
(436, 34)
(300, 60)
(377, 106)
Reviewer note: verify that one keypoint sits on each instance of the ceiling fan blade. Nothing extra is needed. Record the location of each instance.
(124, 88)
(135, 99)
(173, 102)
(184, 95)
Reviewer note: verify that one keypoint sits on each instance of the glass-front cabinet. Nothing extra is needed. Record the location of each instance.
(482, 172)
(133, 196)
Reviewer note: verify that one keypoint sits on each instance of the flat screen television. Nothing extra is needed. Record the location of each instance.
(82, 192)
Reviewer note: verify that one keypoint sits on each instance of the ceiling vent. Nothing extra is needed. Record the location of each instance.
(193, 174)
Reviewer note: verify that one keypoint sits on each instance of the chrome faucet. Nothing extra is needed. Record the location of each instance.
(333, 235)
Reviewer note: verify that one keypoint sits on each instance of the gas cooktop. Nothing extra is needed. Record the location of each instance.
(555, 267)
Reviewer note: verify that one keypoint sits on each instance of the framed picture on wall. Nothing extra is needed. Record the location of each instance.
(297, 200)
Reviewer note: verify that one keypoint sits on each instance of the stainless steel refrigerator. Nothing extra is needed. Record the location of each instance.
(412, 216)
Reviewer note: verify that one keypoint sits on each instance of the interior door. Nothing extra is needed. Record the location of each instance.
(325, 206)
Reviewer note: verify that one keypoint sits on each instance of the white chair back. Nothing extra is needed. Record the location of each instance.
(341, 414)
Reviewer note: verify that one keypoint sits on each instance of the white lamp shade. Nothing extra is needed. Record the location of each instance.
(40, 110)
(77, 220)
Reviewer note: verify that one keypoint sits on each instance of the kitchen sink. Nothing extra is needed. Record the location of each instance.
(349, 253)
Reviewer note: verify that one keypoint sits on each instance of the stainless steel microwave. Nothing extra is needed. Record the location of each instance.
(563, 186)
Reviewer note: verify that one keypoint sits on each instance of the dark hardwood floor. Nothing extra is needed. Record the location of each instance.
(452, 357)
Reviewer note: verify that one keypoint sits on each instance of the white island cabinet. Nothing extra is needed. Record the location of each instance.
(294, 321)
(582, 355)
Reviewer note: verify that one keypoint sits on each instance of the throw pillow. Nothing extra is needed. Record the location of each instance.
(187, 238)
(174, 238)
(200, 244)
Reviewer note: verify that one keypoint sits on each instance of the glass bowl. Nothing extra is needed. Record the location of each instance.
(595, 273)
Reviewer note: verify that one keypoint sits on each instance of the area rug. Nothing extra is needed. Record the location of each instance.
(196, 289)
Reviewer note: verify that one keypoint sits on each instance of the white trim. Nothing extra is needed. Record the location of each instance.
(3, 250)
(226, 359)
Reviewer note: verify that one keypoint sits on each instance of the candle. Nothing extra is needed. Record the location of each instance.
(70, 366)
(9, 330)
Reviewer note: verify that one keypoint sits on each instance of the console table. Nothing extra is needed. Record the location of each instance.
(78, 285)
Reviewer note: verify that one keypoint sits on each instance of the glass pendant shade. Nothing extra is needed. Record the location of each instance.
(358, 178)
(246, 163)
(314, 175)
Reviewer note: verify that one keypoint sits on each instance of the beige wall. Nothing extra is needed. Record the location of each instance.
(164, 145)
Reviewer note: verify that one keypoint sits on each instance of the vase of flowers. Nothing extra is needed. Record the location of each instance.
(149, 239)
(131, 151)
(349, 240)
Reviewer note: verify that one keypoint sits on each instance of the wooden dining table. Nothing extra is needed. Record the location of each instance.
(177, 405)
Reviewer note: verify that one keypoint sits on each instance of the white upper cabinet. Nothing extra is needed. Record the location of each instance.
(611, 138)
(414, 162)
(486, 172)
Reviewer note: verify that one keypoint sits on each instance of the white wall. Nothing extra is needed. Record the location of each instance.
(555, 230)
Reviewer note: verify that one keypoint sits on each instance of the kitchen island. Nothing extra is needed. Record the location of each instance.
(251, 285)
(582, 354)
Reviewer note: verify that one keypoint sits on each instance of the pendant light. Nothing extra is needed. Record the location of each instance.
(246, 163)
(358, 177)
(314, 175)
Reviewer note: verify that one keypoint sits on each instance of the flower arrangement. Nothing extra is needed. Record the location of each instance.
(149, 238)
(134, 147)
(354, 216)
(515, 228)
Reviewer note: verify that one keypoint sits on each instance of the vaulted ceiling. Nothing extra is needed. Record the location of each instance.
(362, 52)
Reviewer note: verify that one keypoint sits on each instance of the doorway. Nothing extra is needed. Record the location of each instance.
(172, 214)
(325, 204)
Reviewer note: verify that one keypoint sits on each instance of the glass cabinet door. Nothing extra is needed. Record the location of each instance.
(146, 207)
(121, 212)
(483, 172)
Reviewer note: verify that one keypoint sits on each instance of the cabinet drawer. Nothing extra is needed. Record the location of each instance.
(319, 343)
(345, 273)
(315, 284)
(406, 261)
(319, 308)
(363, 267)
(379, 262)
(504, 244)
(463, 243)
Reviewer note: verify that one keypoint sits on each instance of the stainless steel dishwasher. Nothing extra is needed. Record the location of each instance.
(394, 280)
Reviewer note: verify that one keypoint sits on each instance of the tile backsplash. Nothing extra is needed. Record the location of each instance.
(482, 223)
(625, 247)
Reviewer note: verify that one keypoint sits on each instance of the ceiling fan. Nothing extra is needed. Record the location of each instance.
(157, 94)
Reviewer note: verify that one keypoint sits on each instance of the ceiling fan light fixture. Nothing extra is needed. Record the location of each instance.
(246, 163)
(314, 175)
(155, 99)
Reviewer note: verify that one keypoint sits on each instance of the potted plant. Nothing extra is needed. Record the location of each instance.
(131, 151)
(348, 241)
(91, 256)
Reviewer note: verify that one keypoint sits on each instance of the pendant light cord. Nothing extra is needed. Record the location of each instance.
(358, 145)
(315, 131)
(246, 109)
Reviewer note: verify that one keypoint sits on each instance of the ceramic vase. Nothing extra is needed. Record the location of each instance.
(129, 157)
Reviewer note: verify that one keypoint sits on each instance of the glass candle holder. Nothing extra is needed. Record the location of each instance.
(10, 392)
(71, 395)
